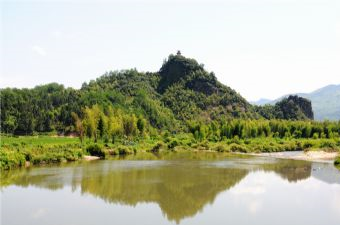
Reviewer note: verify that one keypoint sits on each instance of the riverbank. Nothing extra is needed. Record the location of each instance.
(313, 156)
(36, 150)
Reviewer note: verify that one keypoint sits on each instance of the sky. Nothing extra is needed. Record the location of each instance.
(260, 48)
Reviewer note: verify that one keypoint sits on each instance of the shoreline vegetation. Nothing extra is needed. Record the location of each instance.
(337, 162)
(180, 107)
(26, 151)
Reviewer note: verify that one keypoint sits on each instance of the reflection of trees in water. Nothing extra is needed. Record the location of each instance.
(25, 178)
(180, 191)
(291, 170)
(326, 172)
(180, 188)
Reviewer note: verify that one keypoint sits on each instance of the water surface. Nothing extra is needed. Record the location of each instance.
(182, 188)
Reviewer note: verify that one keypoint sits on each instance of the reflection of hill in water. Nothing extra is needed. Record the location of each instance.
(326, 172)
(180, 191)
(180, 188)
(291, 170)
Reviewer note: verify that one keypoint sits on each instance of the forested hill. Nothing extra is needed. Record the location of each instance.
(292, 107)
(325, 102)
(181, 91)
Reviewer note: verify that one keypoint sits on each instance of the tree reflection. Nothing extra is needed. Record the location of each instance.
(181, 188)
(180, 191)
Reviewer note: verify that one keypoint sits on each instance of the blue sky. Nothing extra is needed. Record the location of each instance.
(260, 48)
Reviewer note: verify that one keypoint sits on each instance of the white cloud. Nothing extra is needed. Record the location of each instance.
(39, 50)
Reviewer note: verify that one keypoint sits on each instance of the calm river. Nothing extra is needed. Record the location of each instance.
(177, 188)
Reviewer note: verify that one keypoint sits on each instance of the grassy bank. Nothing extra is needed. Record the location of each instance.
(35, 150)
(32, 150)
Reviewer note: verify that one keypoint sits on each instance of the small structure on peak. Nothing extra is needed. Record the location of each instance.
(179, 52)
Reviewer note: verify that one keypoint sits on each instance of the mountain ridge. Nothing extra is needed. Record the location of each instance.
(325, 102)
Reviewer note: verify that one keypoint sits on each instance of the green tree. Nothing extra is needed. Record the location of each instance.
(10, 124)
(141, 123)
(78, 124)
(130, 125)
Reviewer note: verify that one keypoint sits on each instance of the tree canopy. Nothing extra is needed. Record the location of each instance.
(129, 102)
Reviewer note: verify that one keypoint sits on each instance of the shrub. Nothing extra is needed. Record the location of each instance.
(327, 144)
(235, 140)
(220, 148)
(11, 159)
(173, 144)
(307, 144)
(338, 142)
(203, 145)
(247, 142)
(123, 150)
(315, 136)
(167, 139)
(290, 146)
(73, 155)
(157, 147)
(95, 150)
(337, 162)
(299, 145)
(238, 148)
(113, 152)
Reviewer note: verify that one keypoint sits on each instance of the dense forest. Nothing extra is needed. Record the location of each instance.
(182, 91)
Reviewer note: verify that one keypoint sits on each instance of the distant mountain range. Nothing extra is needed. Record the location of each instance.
(325, 102)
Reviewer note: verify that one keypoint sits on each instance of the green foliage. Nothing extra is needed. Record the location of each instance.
(141, 125)
(327, 144)
(244, 129)
(79, 127)
(193, 93)
(133, 103)
(96, 150)
(123, 150)
(130, 125)
(221, 148)
(11, 159)
(157, 147)
(337, 162)
(128, 110)
(290, 108)
(173, 143)
(15, 151)
(41, 109)
(238, 148)
(176, 68)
